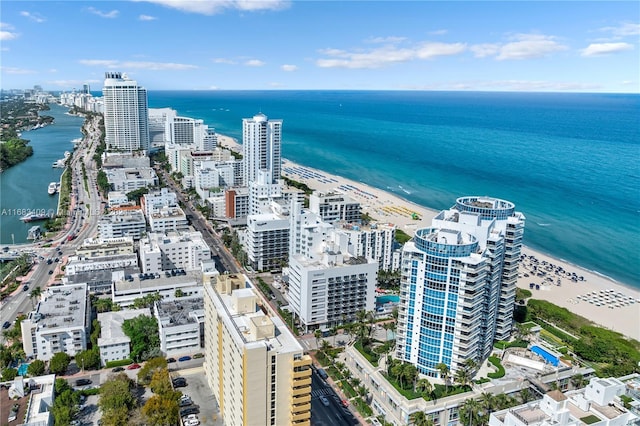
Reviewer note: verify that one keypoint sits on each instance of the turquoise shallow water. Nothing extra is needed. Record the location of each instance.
(570, 162)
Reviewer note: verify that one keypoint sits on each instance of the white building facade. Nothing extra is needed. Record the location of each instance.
(126, 113)
(173, 250)
(451, 286)
(261, 147)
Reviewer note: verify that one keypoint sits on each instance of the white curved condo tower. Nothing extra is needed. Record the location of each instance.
(126, 115)
(458, 283)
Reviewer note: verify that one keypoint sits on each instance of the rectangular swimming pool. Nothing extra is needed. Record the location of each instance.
(553, 360)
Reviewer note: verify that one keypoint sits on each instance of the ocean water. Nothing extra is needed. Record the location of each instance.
(570, 162)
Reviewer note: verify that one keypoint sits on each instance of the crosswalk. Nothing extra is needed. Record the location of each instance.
(316, 393)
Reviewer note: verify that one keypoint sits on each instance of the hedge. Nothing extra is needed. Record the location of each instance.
(118, 363)
(496, 363)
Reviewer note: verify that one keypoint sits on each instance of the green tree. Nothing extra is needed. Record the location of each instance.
(116, 400)
(445, 374)
(89, 359)
(59, 363)
(64, 407)
(143, 332)
(470, 412)
(35, 294)
(150, 368)
(159, 411)
(9, 374)
(424, 386)
(463, 377)
(36, 368)
(419, 418)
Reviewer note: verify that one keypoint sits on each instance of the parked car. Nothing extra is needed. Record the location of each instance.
(184, 358)
(198, 355)
(179, 383)
(170, 360)
(83, 382)
(6, 325)
(324, 400)
(117, 369)
(133, 367)
(185, 402)
(189, 410)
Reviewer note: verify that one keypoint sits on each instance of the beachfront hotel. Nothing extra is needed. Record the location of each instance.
(457, 288)
(126, 120)
(261, 148)
(254, 365)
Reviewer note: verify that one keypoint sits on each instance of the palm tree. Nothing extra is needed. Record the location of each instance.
(525, 395)
(424, 385)
(487, 401)
(35, 294)
(463, 377)
(317, 334)
(444, 374)
(419, 418)
(410, 372)
(470, 412)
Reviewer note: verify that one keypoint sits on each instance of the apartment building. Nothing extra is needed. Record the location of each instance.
(113, 343)
(61, 322)
(181, 325)
(254, 365)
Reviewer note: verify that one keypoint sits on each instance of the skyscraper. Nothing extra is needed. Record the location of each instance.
(126, 116)
(458, 284)
(261, 147)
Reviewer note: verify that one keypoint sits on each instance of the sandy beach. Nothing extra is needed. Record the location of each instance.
(598, 298)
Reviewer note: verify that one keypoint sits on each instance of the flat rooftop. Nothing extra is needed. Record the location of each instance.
(138, 281)
(62, 307)
(181, 311)
(111, 325)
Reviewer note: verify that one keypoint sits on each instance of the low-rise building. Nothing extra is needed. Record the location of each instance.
(168, 219)
(79, 264)
(122, 223)
(333, 207)
(130, 179)
(98, 247)
(127, 288)
(173, 250)
(60, 323)
(181, 325)
(34, 398)
(599, 403)
(113, 343)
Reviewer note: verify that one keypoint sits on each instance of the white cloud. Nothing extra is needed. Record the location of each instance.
(33, 16)
(387, 55)
(6, 32)
(528, 46)
(126, 65)
(6, 35)
(623, 30)
(254, 63)
(224, 61)
(601, 49)
(13, 70)
(287, 67)
(390, 39)
(484, 50)
(146, 18)
(219, 6)
(112, 14)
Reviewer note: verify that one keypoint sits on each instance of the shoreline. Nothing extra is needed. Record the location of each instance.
(582, 291)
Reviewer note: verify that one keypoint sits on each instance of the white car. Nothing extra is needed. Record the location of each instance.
(190, 422)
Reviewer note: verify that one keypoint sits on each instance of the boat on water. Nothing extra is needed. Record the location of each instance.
(34, 233)
(60, 164)
(53, 188)
(34, 217)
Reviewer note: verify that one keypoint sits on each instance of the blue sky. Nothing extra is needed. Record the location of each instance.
(344, 45)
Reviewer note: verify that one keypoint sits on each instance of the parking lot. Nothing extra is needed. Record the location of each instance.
(89, 413)
(200, 394)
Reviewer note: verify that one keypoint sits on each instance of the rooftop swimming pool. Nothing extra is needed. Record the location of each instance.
(388, 298)
(551, 359)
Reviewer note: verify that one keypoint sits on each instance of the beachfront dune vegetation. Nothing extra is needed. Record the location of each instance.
(609, 353)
